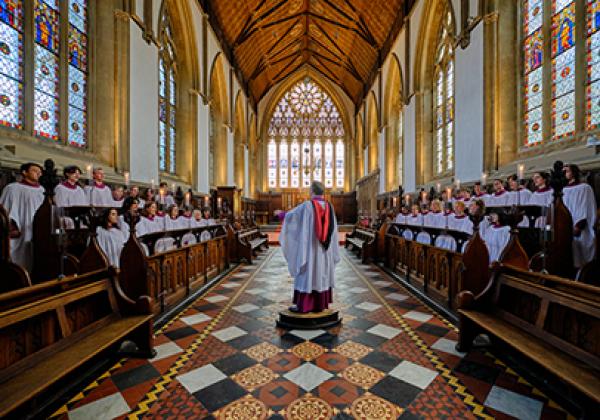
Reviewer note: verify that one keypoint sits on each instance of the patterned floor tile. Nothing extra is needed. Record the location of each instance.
(362, 375)
(254, 377)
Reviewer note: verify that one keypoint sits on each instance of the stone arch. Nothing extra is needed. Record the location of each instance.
(187, 76)
(393, 107)
(239, 140)
(219, 111)
(372, 132)
(433, 14)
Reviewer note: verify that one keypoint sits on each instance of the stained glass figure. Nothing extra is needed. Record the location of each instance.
(11, 64)
(563, 68)
(533, 51)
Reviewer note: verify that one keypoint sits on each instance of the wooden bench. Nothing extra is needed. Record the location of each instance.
(552, 321)
(364, 241)
(249, 241)
(49, 330)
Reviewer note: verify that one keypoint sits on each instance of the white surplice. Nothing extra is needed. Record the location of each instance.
(309, 263)
(99, 195)
(67, 196)
(496, 238)
(21, 201)
(542, 198)
(580, 201)
(111, 242)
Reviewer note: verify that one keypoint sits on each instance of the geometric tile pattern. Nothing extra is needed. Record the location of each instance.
(392, 357)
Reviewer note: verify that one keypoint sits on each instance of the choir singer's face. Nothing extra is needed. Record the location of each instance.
(174, 212)
(498, 185)
(514, 185)
(539, 181)
(74, 176)
(98, 175)
(33, 174)
(151, 209)
(568, 173)
(113, 217)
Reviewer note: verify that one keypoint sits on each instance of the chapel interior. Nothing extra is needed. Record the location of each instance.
(150, 151)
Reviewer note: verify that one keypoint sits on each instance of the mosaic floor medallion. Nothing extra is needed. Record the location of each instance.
(248, 408)
(371, 407)
(308, 350)
(309, 408)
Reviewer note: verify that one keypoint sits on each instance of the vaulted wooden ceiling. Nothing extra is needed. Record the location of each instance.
(345, 40)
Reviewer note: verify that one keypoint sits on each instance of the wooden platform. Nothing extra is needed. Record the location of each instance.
(308, 321)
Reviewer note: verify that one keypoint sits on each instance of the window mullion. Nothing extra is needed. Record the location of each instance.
(580, 65)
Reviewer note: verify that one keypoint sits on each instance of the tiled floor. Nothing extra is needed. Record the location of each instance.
(391, 358)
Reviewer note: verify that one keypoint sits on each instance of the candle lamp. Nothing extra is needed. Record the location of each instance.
(438, 187)
(457, 182)
(187, 198)
(483, 179)
(520, 171)
(206, 201)
(448, 194)
(126, 176)
(173, 188)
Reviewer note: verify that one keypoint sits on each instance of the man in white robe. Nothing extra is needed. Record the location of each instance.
(99, 194)
(69, 193)
(579, 199)
(21, 200)
(309, 240)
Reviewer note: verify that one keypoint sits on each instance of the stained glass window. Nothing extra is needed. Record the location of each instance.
(46, 69)
(78, 47)
(283, 164)
(443, 142)
(533, 47)
(306, 112)
(339, 163)
(328, 161)
(11, 64)
(563, 68)
(295, 159)
(272, 166)
(167, 99)
(593, 64)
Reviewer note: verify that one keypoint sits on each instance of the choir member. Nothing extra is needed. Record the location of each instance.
(518, 194)
(150, 221)
(500, 196)
(579, 199)
(496, 237)
(209, 221)
(401, 217)
(459, 220)
(165, 198)
(148, 196)
(69, 193)
(172, 222)
(111, 238)
(423, 237)
(21, 200)
(479, 192)
(186, 222)
(134, 192)
(98, 193)
(130, 210)
(543, 196)
(118, 196)
(197, 220)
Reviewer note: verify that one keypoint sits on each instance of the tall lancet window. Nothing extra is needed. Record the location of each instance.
(167, 137)
(301, 129)
(593, 68)
(443, 143)
(11, 65)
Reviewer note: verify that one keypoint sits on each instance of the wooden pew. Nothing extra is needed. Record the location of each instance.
(49, 330)
(553, 321)
(364, 241)
(171, 276)
(248, 242)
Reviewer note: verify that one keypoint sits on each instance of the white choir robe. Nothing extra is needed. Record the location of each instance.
(111, 242)
(459, 224)
(498, 199)
(412, 220)
(400, 218)
(519, 198)
(99, 195)
(166, 244)
(205, 235)
(581, 203)
(543, 198)
(483, 197)
(124, 226)
(496, 238)
(188, 238)
(21, 201)
(167, 200)
(149, 225)
(67, 196)
(309, 263)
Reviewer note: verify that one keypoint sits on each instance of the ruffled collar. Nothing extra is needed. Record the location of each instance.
(100, 185)
(543, 190)
(68, 185)
(460, 217)
(499, 193)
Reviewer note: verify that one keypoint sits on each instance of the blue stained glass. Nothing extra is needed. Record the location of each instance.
(162, 109)
(594, 57)
(78, 14)
(76, 88)
(11, 52)
(172, 115)
(533, 123)
(46, 25)
(172, 151)
(172, 87)
(10, 102)
(162, 146)
(45, 115)
(161, 81)
(564, 72)
(533, 15)
(11, 13)
(534, 89)
(77, 126)
(564, 116)
(77, 48)
(594, 104)
(46, 71)
(52, 3)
